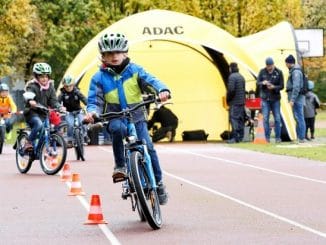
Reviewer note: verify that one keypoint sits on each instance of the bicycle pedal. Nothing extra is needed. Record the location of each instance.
(125, 195)
(119, 179)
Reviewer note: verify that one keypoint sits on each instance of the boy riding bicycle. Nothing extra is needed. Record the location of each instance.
(71, 97)
(44, 91)
(118, 85)
(8, 107)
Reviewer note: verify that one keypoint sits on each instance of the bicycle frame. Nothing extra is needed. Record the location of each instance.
(132, 143)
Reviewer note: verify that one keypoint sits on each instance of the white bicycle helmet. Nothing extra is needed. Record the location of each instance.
(4, 87)
(68, 80)
(113, 42)
(42, 69)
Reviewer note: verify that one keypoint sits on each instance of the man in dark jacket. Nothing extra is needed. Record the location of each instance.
(236, 101)
(270, 82)
(168, 121)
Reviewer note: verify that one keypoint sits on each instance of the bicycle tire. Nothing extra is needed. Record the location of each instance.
(23, 159)
(79, 145)
(2, 138)
(52, 164)
(147, 197)
(139, 210)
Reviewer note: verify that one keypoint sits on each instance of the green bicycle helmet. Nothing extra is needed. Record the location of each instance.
(42, 69)
(113, 42)
(68, 80)
(4, 87)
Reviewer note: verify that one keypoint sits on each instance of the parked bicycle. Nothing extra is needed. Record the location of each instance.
(140, 184)
(49, 147)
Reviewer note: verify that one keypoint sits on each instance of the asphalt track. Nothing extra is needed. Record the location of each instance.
(218, 195)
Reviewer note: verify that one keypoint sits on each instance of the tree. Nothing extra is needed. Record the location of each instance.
(20, 36)
(314, 15)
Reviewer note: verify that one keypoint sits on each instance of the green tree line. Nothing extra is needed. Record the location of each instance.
(55, 31)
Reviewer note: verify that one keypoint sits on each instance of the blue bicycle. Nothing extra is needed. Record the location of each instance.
(140, 184)
(49, 147)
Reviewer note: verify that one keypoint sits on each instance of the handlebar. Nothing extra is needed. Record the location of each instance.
(126, 112)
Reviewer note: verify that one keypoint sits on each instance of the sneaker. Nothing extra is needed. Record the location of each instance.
(119, 174)
(277, 141)
(28, 146)
(301, 141)
(162, 194)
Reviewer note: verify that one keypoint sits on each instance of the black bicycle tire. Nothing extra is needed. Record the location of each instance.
(2, 137)
(18, 149)
(79, 145)
(135, 164)
(62, 160)
(139, 210)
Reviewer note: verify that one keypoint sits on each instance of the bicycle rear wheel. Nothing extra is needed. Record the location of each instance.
(79, 145)
(147, 196)
(23, 159)
(53, 156)
(2, 137)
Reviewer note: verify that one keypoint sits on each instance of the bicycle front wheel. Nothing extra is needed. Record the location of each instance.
(23, 159)
(53, 155)
(79, 145)
(147, 196)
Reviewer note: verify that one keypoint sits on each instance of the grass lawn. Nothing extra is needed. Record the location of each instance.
(315, 150)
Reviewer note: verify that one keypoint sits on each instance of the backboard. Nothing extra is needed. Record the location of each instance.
(310, 42)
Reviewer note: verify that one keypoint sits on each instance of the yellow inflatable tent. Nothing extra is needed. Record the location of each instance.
(191, 56)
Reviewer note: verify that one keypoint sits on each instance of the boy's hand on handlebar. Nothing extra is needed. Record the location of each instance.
(32, 103)
(89, 117)
(164, 95)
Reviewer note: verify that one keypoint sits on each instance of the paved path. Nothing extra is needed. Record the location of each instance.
(218, 195)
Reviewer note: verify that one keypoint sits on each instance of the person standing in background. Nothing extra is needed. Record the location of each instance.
(295, 98)
(270, 82)
(312, 103)
(235, 98)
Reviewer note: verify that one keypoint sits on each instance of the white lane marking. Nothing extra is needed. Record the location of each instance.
(106, 231)
(304, 227)
(250, 166)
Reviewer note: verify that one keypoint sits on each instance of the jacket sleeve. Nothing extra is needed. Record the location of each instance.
(60, 98)
(53, 100)
(231, 89)
(280, 86)
(95, 98)
(148, 79)
(82, 97)
(296, 77)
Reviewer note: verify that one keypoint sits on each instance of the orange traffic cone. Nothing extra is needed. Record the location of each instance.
(66, 174)
(95, 215)
(260, 132)
(75, 189)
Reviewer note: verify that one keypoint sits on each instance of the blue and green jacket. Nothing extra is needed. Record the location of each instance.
(103, 94)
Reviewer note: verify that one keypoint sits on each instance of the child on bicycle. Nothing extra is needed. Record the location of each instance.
(8, 107)
(70, 97)
(44, 91)
(117, 85)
